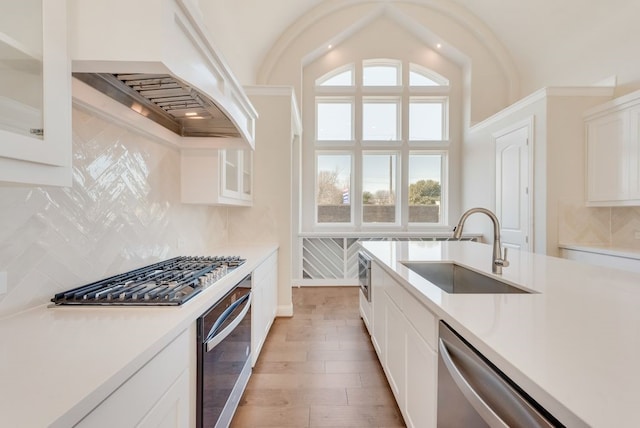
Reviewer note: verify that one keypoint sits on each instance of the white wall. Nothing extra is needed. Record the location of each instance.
(122, 212)
(491, 83)
(558, 160)
(270, 219)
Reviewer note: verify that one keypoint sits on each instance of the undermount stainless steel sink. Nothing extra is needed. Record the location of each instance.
(456, 279)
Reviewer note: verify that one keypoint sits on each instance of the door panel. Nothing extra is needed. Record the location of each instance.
(512, 186)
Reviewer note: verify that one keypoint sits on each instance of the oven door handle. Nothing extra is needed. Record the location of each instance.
(215, 338)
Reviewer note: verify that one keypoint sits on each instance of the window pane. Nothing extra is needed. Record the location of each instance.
(417, 79)
(380, 121)
(421, 76)
(333, 188)
(425, 178)
(341, 79)
(425, 121)
(380, 75)
(334, 121)
(379, 188)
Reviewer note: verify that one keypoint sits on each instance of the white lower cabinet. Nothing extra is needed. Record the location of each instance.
(396, 352)
(404, 335)
(158, 395)
(379, 309)
(264, 290)
(422, 375)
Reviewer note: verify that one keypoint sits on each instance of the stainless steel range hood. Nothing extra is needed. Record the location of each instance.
(167, 101)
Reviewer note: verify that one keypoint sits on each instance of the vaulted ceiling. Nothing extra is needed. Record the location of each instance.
(550, 42)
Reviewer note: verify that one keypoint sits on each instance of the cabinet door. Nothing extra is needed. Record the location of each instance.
(607, 158)
(634, 153)
(264, 303)
(237, 174)
(172, 410)
(231, 172)
(422, 378)
(247, 174)
(35, 94)
(216, 177)
(379, 318)
(164, 379)
(396, 351)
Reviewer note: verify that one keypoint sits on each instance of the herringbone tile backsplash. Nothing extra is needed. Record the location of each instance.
(605, 226)
(123, 211)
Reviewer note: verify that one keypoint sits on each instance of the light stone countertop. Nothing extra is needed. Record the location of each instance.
(58, 363)
(629, 253)
(573, 345)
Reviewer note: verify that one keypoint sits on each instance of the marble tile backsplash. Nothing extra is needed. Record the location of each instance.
(123, 211)
(615, 226)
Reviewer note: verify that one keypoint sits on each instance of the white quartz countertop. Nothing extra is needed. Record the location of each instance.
(58, 363)
(629, 253)
(573, 344)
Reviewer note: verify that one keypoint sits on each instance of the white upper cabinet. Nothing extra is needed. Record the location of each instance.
(613, 152)
(35, 93)
(216, 177)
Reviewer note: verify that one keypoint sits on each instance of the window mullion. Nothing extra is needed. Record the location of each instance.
(356, 200)
(404, 187)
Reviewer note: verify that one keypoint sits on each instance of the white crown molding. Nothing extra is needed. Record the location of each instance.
(540, 94)
(619, 103)
(279, 91)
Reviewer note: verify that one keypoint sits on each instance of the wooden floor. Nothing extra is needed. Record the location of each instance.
(319, 369)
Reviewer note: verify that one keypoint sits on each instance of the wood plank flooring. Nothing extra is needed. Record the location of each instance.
(319, 369)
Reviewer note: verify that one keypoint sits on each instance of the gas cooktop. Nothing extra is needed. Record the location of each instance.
(168, 283)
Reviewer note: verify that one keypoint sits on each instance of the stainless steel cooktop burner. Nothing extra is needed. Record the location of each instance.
(170, 282)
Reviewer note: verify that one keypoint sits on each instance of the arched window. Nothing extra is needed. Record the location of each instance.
(342, 76)
(421, 76)
(381, 146)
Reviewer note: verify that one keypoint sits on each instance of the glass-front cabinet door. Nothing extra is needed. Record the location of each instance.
(247, 173)
(236, 168)
(35, 93)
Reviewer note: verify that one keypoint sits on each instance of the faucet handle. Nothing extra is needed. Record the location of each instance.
(503, 260)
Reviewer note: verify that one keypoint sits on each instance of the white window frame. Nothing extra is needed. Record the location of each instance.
(442, 100)
(382, 62)
(399, 191)
(335, 100)
(444, 187)
(367, 99)
(357, 95)
(349, 224)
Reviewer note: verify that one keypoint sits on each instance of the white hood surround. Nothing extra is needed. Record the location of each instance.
(158, 37)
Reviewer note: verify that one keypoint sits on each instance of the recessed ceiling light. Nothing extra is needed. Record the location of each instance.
(191, 113)
(329, 47)
(439, 45)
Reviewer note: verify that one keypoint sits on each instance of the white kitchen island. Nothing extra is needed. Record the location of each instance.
(571, 344)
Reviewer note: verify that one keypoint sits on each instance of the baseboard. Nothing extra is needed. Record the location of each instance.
(326, 283)
(285, 310)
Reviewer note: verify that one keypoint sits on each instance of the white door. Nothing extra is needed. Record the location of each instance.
(513, 191)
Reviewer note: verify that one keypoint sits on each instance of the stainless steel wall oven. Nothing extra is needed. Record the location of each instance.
(224, 356)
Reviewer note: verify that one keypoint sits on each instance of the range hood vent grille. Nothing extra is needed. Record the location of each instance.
(167, 101)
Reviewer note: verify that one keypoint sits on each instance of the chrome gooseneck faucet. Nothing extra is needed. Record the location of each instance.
(499, 261)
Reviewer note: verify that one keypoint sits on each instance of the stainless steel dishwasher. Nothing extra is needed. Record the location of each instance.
(472, 392)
